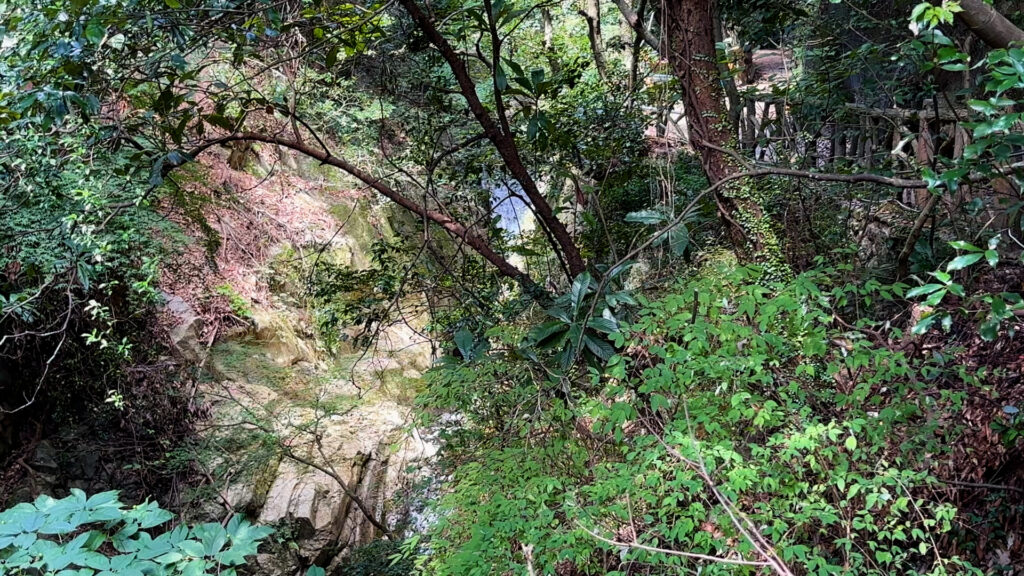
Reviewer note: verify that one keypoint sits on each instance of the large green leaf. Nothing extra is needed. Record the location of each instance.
(646, 217)
(961, 262)
(580, 288)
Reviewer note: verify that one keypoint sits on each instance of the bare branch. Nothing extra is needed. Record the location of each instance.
(474, 240)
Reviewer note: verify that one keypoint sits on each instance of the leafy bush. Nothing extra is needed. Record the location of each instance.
(822, 439)
(343, 297)
(80, 535)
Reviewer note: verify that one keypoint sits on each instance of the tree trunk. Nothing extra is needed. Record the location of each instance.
(992, 27)
(503, 141)
(728, 82)
(625, 41)
(689, 29)
(549, 42)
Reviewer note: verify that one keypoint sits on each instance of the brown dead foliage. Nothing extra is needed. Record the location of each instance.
(984, 475)
(252, 217)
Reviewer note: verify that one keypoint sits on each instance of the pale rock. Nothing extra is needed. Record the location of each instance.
(187, 329)
(279, 339)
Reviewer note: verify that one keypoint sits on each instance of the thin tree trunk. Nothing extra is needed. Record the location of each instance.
(503, 141)
(549, 42)
(635, 20)
(592, 14)
(728, 82)
(625, 40)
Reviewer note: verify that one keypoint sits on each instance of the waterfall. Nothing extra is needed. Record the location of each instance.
(508, 203)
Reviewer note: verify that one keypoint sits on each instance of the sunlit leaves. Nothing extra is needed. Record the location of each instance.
(930, 16)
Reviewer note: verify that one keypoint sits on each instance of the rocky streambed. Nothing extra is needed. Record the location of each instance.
(321, 447)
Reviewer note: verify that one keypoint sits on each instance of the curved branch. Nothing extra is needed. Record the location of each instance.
(692, 555)
(474, 240)
(633, 20)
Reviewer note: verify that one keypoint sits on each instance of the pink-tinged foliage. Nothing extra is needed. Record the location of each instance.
(253, 218)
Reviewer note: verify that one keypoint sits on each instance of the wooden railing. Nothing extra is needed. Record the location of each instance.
(857, 136)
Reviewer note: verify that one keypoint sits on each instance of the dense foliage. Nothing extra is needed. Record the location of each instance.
(730, 397)
(731, 287)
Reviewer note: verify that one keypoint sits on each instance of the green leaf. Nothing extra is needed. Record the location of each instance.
(961, 262)
(102, 499)
(500, 80)
(598, 346)
(580, 288)
(537, 76)
(989, 329)
(935, 298)
(548, 334)
(646, 217)
(464, 341)
(192, 548)
(94, 32)
(961, 245)
(679, 240)
(170, 558)
(851, 443)
(659, 402)
(918, 10)
(925, 324)
(922, 290)
(605, 325)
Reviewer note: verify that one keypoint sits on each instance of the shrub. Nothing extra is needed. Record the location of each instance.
(376, 559)
(728, 386)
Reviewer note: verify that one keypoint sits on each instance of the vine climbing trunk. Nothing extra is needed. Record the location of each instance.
(689, 44)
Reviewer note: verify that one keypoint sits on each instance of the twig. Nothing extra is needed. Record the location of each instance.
(983, 485)
(693, 555)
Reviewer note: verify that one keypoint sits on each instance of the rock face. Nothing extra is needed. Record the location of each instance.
(363, 453)
(309, 443)
(280, 341)
(340, 432)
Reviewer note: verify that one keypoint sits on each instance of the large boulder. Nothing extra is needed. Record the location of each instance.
(279, 337)
(186, 329)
